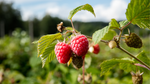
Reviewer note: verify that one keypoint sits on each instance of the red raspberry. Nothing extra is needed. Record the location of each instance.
(96, 49)
(63, 52)
(79, 45)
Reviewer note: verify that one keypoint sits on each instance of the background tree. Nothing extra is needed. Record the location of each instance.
(10, 18)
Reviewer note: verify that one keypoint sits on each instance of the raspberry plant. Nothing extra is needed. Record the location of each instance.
(71, 46)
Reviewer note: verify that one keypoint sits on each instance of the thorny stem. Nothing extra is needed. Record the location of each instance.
(83, 71)
(133, 56)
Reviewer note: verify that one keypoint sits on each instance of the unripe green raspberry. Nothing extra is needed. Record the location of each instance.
(133, 40)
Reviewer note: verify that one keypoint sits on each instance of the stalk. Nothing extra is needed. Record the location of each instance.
(134, 57)
(83, 71)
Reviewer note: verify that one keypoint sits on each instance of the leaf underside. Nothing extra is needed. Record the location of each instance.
(123, 23)
(99, 34)
(79, 8)
(138, 12)
(46, 46)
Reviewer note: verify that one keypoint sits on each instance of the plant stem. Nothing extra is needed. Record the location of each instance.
(73, 26)
(137, 64)
(121, 30)
(83, 71)
(125, 26)
(133, 56)
(104, 41)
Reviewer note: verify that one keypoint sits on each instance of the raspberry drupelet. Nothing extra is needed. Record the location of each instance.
(79, 45)
(63, 52)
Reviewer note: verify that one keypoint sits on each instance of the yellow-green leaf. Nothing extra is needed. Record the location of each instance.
(79, 8)
(114, 24)
(99, 34)
(138, 12)
(46, 45)
(109, 36)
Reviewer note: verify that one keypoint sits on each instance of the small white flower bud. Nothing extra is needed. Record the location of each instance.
(91, 49)
(112, 44)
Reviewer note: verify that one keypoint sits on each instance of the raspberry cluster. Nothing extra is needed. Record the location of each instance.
(77, 49)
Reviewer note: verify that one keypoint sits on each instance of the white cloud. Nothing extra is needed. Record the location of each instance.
(38, 10)
(27, 15)
(59, 11)
(116, 10)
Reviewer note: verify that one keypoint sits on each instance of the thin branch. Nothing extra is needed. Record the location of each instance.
(121, 30)
(137, 64)
(119, 37)
(83, 71)
(73, 26)
(125, 26)
(104, 41)
(116, 28)
(133, 56)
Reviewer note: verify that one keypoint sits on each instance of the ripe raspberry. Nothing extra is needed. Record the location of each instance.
(96, 49)
(79, 45)
(133, 40)
(63, 52)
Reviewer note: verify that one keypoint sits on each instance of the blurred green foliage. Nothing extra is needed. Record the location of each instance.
(19, 64)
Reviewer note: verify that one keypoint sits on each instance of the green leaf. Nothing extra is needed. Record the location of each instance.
(123, 23)
(46, 47)
(109, 36)
(128, 66)
(109, 64)
(44, 41)
(70, 29)
(88, 60)
(48, 55)
(114, 24)
(143, 57)
(79, 8)
(138, 12)
(35, 42)
(99, 34)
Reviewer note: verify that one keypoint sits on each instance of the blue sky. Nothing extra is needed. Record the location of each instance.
(105, 10)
